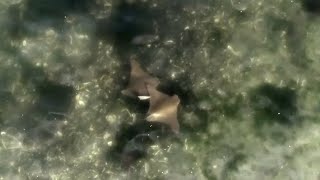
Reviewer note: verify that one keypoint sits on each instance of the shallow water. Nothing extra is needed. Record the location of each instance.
(247, 74)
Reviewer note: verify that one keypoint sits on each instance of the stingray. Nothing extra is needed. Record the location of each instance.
(139, 79)
(163, 108)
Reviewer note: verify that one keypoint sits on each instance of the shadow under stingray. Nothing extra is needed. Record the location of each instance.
(133, 141)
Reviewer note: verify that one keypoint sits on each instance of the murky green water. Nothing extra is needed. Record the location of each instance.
(246, 72)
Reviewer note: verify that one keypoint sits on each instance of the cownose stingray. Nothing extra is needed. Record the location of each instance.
(163, 108)
(139, 79)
